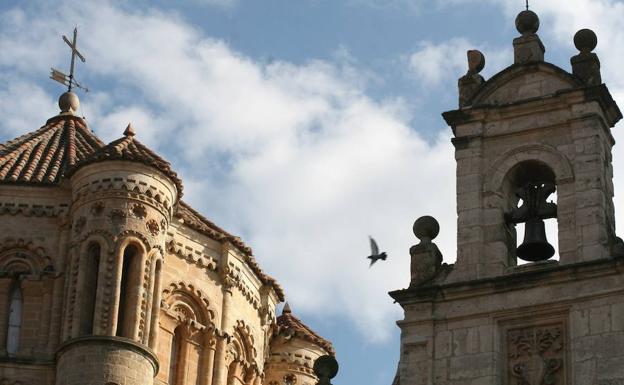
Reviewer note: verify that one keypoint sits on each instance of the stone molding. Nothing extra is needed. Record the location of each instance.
(519, 278)
(33, 210)
(127, 188)
(192, 255)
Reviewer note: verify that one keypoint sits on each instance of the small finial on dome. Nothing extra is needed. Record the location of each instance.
(527, 22)
(286, 309)
(129, 130)
(69, 103)
(585, 40)
(426, 228)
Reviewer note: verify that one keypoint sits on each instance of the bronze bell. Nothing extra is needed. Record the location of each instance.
(535, 246)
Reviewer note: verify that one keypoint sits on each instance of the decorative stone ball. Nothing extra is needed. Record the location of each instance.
(527, 22)
(325, 367)
(585, 40)
(69, 102)
(426, 228)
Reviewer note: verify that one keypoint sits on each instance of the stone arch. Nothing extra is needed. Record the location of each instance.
(104, 237)
(130, 236)
(242, 354)
(20, 256)
(186, 303)
(187, 317)
(504, 86)
(548, 155)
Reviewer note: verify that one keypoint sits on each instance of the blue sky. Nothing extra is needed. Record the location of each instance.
(301, 125)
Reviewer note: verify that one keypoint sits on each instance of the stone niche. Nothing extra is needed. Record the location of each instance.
(535, 352)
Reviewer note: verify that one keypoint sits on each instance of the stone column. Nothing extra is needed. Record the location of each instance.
(156, 298)
(207, 358)
(116, 289)
(221, 369)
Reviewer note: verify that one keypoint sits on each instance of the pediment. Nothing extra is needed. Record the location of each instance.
(523, 82)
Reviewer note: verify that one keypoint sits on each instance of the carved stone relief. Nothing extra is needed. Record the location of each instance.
(139, 211)
(536, 355)
(97, 209)
(152, 227)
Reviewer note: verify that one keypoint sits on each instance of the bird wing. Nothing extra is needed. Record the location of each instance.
(373, 246)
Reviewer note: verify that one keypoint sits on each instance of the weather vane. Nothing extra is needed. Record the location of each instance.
(527, 4)
(59, 76)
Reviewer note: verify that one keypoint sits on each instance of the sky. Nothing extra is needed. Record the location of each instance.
(302, 126)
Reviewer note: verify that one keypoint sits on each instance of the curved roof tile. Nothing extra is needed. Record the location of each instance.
(130, 149)
(45, 156)
(288, 324)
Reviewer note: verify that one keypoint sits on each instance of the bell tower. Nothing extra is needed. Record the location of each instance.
(532, 144)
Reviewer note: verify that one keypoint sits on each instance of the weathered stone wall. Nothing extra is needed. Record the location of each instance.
(484, 332)
(104, 360)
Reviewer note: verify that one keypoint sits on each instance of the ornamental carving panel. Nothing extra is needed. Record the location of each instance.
(536, 355)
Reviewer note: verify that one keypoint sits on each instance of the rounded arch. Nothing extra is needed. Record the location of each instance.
(187, 303)
(106, 246)
(548, 155)
(131, 237)
(243, 339)
(102, 235)
(509, 74)
(20, 256)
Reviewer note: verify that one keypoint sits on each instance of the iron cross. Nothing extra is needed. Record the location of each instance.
(73, 45)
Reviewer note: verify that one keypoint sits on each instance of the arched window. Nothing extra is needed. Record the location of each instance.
(174, 357)
(186, 322)
(15, 318)
(89, 291)
(528, 187)
(129, 292)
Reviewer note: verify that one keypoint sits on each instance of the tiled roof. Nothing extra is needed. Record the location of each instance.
(45, 155)
(290, 325)
(128, 148)
(201, 224)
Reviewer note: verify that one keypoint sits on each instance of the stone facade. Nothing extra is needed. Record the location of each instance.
(108, 278)
(486, 319)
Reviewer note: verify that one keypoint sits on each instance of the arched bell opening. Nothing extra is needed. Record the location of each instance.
(531, 212)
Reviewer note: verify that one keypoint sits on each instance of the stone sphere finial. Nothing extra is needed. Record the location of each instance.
(585, 40)
(69, 102)
(527, 22)
(426, 228)
(476, 61)
(325, 368)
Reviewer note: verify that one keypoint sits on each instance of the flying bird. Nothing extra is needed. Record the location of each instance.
(375, 255)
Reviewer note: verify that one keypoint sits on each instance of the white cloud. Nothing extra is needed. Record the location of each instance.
(441, 64)
(297, 158)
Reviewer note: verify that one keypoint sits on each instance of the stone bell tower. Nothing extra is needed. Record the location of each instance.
(532, 143)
